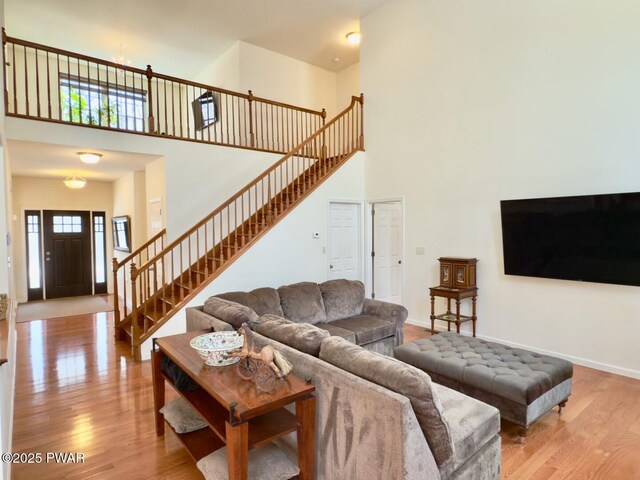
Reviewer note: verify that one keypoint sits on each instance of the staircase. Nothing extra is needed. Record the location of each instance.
(157, 280)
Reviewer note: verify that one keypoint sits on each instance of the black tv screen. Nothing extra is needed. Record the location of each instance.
(591, 238)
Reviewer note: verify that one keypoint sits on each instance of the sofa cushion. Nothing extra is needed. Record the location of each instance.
(367, 328)
(302, 302)
(231, 312)
(261, 300)
(265, 463)
(476, 424)
(182, 416)
(342, 298)
(337, 331)
(401, 378)
(304, 337)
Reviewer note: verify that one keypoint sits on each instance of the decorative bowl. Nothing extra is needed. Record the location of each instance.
(214, 347)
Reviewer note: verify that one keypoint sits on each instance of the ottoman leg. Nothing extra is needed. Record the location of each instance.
(561, 405)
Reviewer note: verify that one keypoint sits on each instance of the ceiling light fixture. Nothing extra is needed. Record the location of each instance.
(354, 38)
(88, 157)
(74, 183)
(120, 60)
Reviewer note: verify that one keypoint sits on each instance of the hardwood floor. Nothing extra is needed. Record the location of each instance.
(77, 391)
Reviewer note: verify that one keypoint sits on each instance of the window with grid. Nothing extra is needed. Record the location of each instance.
(67, 224)
(101, 103)
(33, 251)
(99, 247)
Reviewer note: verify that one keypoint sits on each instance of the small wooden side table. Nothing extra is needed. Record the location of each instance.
(238, 415)
(456, 294)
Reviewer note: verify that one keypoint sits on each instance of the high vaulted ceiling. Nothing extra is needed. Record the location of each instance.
(183, 38)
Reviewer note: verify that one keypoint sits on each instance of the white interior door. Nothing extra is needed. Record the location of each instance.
(387, 248)
(155, 216)
(345, 240)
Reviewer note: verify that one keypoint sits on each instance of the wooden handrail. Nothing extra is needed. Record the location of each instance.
(119, 268)
(67, 53)
(244, 190)
(139, 250)
(159, 76)
(162, 279)
(170, 279)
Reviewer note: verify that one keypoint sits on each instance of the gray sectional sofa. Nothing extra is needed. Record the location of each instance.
(377, 417)
(337, 306)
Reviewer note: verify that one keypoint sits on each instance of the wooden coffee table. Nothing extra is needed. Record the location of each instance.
(239, 416)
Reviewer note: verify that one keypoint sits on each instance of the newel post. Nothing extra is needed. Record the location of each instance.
(152, 126)
(252, 137)
(135, 328)
(116, 304)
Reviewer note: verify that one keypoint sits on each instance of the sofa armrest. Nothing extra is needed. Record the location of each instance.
(391, 311)
(198, 320)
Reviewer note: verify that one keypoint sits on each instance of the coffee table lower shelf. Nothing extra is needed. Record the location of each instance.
(262, 429)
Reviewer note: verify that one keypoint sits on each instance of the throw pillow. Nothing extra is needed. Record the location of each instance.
(261, 300)
(182, 416)
(342, 298)
(265, 463)
(231, 312)
(302, 302)
(401, 378)
(304, 337)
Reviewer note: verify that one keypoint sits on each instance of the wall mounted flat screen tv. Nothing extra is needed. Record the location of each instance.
(591, 238)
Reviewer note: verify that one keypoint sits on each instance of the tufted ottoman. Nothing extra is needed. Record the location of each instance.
(523, 385)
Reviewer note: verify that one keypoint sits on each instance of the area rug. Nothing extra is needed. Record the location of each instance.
(63, 307)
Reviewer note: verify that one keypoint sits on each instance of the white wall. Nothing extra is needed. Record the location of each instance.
(348, 86)
(7, 284)
(284, 79)
(129, 198)
(273, 76)
(155, 188)
(51, 194)
(475, 101)
(224, 72)
(288, 253)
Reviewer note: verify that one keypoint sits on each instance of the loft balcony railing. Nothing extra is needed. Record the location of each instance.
(54, 85)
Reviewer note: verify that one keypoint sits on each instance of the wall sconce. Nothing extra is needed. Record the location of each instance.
(74, 183)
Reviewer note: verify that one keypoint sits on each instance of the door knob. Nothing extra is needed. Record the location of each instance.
(399, 262)
(330, 266)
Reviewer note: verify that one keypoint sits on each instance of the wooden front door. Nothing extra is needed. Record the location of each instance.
(67, 253)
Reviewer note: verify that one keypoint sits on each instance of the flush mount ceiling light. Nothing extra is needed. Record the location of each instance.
(354, 38)
(88, 157)
(74, 183)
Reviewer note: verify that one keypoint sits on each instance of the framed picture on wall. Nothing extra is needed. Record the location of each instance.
(121, 233)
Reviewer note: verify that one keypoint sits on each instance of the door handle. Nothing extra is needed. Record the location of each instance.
(399, 262)
(330, 266)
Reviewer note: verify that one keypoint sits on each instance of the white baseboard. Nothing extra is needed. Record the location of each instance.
(585, 362)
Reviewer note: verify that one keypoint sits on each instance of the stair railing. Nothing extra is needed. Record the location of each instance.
(121, 289)
(164, 283)
(55, 85)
